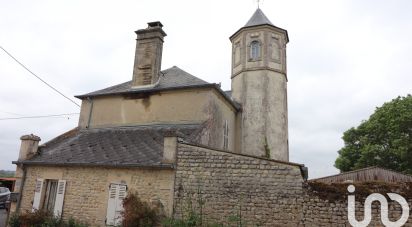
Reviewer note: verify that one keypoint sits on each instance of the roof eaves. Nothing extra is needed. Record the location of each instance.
(209, 85)
(131, 91)
(122, 165)
(235, 105)
(284, 30)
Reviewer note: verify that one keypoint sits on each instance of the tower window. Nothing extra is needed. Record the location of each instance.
(255, 50)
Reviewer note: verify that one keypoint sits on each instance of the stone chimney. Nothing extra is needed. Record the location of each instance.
(28, 147)
(148, 55)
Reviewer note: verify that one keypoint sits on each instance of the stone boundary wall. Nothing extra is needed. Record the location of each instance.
(326, 204)
(268, 193)
(262, 192)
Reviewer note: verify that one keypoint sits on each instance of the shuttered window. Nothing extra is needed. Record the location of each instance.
(117, 192)
(49, 195)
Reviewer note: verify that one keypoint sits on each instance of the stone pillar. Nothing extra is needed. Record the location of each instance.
(148, 57)
(28, 148)
(169, 149)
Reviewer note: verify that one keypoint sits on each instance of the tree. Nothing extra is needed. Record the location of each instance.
(384, 140)
(6, 173)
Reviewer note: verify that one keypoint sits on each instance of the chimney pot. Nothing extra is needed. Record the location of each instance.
(155, 24)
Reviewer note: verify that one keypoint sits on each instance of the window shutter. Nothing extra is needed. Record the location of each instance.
(111, 204)
(58, 205)
(37, 194)
(119, 203)
(117, 192)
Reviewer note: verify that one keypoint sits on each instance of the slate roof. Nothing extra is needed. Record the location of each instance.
(228, 93)
(368, 174)
(258, 18)
(137, 146)
(171, 78)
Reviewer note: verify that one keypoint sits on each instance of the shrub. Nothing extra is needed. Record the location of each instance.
(137, 213)
(40, 218)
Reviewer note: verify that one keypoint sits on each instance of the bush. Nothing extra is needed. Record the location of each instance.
(137, 213)
(41, 218)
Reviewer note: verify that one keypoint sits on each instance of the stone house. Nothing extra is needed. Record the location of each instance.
(174, 138)
(167, 133)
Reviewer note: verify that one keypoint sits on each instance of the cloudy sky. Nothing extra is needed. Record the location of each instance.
(344, 59)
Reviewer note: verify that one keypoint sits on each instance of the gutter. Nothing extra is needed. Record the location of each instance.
(90, 113)
(120, 165)
(23, 180)
(152, 90)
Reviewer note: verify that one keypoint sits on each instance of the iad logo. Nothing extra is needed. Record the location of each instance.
(384, 209)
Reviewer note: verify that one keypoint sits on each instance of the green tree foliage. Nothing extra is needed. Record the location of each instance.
(6, 173)
(384, 140)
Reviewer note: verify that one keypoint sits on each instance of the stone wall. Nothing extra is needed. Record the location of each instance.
(267, 193)
(222, 186)
(87, 188)
(261, 191)
(326, 204)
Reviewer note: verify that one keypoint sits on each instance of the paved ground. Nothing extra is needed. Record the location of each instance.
(3, 216)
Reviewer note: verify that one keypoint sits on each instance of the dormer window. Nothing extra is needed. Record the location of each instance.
(255, 51)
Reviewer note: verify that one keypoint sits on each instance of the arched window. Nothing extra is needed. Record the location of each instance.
(255, 50)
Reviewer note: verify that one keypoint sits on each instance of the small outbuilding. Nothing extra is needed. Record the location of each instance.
(8, 182)
(367, 174)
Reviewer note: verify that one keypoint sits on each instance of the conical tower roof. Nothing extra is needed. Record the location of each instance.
(258, 18)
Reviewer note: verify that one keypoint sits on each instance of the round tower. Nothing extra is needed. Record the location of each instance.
(259, 85)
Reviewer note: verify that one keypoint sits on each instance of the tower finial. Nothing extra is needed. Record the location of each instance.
(258, 3)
